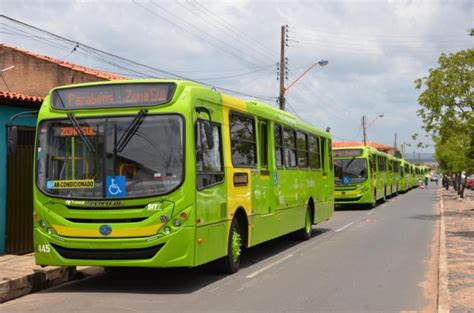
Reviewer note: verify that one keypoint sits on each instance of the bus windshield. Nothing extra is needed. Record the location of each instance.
(71, 166)
(347, 171)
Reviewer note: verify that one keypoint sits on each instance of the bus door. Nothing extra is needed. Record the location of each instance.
(326, 178)
(261, 178)
(211, 192)
(373, 174)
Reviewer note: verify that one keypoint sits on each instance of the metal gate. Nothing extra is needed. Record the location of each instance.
(20, 194)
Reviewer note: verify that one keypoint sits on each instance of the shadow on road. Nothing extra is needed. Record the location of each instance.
(425, 217)
(175, 280)
(352, 207)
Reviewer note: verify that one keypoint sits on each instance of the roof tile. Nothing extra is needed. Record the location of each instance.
(72, 66)
(10, 95)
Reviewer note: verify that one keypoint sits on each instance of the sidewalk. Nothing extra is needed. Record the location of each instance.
(456, 272)
(19, 275)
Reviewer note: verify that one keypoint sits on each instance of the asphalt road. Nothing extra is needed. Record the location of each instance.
(381, 260)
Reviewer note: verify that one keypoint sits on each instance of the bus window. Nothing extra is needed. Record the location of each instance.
(290, 147)
(279, 157)
(263, 146)
(372, 164)
(323, 154)
(243, 143)
(302, 149)
(314, 152)
(208, 161)
(331, 164)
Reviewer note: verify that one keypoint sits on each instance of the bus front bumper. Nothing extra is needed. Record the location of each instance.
(173, 250)
(358, 196)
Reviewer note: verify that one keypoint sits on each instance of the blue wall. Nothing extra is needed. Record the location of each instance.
(5, 113)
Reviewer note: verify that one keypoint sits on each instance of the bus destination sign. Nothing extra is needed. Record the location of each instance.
(347, 152)
(113, 96)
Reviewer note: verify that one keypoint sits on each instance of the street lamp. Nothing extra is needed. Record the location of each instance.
(365, 126)
(284, 90)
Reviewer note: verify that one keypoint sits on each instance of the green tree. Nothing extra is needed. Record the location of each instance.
(446, 108)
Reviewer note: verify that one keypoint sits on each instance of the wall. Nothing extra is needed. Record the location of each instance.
(36, 76)
(6, 111)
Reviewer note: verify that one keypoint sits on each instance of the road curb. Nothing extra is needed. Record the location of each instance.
(38, 279)
(443, 291)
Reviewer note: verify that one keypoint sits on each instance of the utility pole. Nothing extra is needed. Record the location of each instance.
(281, 99)
(364, 128)
(395, 144)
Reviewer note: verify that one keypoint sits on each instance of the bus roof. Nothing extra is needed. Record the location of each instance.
(254, 107)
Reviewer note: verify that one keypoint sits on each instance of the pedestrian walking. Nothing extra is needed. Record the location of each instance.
(445, 181)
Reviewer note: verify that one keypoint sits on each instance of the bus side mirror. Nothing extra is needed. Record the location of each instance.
(12, 139)
(209, 135)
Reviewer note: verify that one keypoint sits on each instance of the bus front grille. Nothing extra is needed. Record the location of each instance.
(108, 254)
(347, 199)
(106, 221)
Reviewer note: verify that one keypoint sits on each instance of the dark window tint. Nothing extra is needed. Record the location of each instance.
(302, 149)
(208, 160)
(263, 148)
(290, 147)
(243, 145)
(330, 154)
(314, 152)
(278, 146)
(323, 154)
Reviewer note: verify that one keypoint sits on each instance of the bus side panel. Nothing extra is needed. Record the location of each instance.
(326, 208)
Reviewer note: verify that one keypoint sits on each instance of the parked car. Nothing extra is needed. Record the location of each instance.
(470, 182)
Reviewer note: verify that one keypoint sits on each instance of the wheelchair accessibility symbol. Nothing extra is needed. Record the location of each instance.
(115, 186)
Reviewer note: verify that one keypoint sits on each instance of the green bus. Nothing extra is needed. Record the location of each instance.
(404, 180)
(169, 173)
(394, 177)
(361, 175)
(414, 176)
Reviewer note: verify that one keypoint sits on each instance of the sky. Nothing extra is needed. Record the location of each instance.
(375, 50)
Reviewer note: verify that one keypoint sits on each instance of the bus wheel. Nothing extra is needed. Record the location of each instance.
(305, 232)
(231, 262)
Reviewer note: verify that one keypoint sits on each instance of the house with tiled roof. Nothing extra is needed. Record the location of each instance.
(25, 79)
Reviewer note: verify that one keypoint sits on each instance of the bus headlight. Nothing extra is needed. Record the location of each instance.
(42, 223)
(177, 222)
(167, 230)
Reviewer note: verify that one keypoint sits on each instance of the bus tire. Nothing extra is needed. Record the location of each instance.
(230, 264)
(305, 233)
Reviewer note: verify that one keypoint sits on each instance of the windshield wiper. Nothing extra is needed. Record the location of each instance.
(130, 131)
(81, 134)
(350, 162)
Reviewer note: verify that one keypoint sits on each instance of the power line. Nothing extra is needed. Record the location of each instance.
(193, 33)
(308, 32)
(240, 75)
(231, 28)
(227, 33)
(104, 56)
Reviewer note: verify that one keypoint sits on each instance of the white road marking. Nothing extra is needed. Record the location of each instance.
(344, 227)
(269, 266)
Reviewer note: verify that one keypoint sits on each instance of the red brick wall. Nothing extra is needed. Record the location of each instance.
(34, 76)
